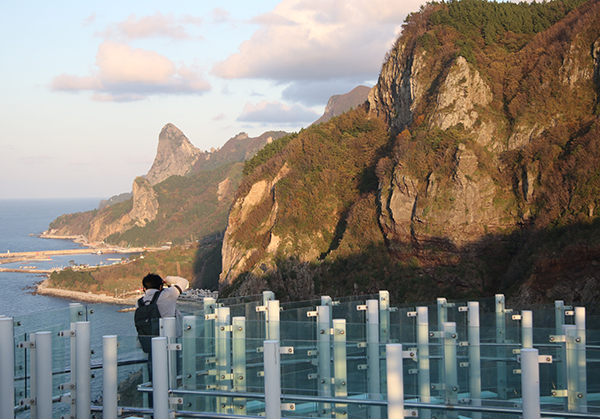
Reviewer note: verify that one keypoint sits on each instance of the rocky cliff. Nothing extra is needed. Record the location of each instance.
(493, 145)
(175, 155)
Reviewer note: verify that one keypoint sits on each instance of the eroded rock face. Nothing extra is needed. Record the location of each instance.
(145, 204)
(144, 210)
(462, 90)
(235, 255)
(175, 155)
(398, 92)
(455, 213)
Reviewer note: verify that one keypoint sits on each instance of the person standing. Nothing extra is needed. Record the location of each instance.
(169, 290)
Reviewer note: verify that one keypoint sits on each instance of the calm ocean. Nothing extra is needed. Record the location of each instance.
(18, 219)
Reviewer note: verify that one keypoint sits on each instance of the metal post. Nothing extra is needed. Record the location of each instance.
(169, 330)
(442, 317)
(83, 376)
(339, 366)
(559, 317)
(43, 366)
(239, 363)
(423, 358)
(273, 320)
(384, 316)
(188, 355)
(33, 379)
(581, 357)
(210, 306)
(109, 377)
(474, 357)
(268, 296)
(324, 356)
(527, 329)
(572, 369)
(395, 381)
(160, 378)
(450, 368)
(223, 355)
(7, 368)
(530, 383)
(373, 356)
(76, 314)
(272, 379)
(501, 351)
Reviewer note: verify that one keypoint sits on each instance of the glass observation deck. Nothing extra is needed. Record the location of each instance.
(354, 357)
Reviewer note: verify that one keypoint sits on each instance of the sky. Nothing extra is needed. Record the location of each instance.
(86, 87)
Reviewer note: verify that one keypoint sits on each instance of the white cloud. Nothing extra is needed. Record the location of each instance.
(318, 40)
(127, 74)
(220, 15)
(276, 112)
(157, 25)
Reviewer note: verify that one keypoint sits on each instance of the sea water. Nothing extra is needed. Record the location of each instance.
(20, 223)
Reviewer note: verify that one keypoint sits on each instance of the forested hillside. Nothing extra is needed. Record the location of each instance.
(473, 168)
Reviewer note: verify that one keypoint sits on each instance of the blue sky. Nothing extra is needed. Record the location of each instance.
(87, 86)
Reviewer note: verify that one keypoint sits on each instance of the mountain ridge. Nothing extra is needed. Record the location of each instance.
(494, 137)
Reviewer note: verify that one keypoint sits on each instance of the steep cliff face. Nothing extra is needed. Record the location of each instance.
(145, 204)
(143, 209)
(493, 140)
(175, 155)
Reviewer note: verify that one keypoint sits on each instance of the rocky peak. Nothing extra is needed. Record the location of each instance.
(175, 155)
(338, 104)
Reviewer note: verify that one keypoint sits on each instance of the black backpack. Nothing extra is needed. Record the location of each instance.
(146, 322)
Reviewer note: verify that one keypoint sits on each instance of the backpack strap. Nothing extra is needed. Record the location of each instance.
(141, 301)
(155, 297)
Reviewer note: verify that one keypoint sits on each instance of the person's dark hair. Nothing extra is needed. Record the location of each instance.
(152, 281)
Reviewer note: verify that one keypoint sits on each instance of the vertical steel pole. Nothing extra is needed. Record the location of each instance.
(572, 369)
(324, 356)
(527, 329)
(268, 296)
(273, 320)
(559, 318)
(384, 316)
(43, 366)
(188, 355)
(423, 358)
(83, 376)
(442, 317)
(33, 380)
(339, 366)
(474, 357)
(272, 379)
(109, 377)
(581, 357)
(7, 368)
(239, 363)
(373, 356)
(160, 378)
(450, 367)
(223, 355)
(169, 330)
(208, 347)
(501, 351)
(530, 383)
(395, 381)
(77, 314)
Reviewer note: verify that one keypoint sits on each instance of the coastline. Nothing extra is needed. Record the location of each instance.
(88, 297)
